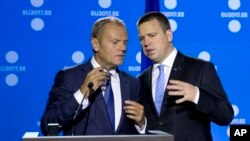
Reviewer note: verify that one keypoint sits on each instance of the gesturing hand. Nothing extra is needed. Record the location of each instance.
(135, 111)
(181, 88)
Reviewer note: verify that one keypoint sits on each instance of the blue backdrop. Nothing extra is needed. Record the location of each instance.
(40, 37)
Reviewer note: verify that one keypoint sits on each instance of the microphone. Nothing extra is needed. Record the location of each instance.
(90, 86)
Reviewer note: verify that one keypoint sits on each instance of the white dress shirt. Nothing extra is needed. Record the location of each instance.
(115, 83)
(168, 65)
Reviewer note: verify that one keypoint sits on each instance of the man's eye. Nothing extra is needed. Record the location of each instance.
(152, 35)
(125, 43)
(141, 38)
(115, 42)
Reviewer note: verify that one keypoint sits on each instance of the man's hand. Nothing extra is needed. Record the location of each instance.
(135, 111)
(97, 76)
(180, 88)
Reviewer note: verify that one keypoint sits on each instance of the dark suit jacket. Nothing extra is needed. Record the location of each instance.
(188, 121)
(93, 120)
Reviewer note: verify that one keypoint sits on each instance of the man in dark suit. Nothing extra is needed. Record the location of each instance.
(192, 95)
(79, 99)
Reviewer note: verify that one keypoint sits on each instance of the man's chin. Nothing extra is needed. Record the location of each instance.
(119, 63)
(151, 57)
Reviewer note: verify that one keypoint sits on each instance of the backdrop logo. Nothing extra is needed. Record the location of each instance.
(138, 60)
(37, 22)
(171, 5)
(37, 3)
(104, 4)
(236, 113)
(234, 24)
(205, 55)
(236, 120)
(77, 57)
(11, 78)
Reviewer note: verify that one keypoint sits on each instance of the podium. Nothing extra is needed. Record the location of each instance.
(148, 137)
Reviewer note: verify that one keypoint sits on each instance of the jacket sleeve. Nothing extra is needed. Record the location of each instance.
(61, 104)
(213, 100)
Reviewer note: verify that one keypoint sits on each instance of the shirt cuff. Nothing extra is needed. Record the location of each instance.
(196, 99)
(142, 130)
(79, 96)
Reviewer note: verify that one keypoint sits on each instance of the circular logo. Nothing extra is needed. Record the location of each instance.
(234, 4)
(170, 4)
(78, 57)
(11, 80)
(173, 24)
(234, 26)
(37, 3)
(11, 56)
(204, 55)
(104, 3)
(236, 110)
(138, 57)
(37, 24)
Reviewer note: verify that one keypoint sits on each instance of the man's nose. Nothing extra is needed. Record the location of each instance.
(146, 41)
(123, 46)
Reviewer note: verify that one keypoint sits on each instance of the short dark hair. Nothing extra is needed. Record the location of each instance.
(154, 15)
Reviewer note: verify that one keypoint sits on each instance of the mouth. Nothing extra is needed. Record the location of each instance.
(120, 56)
(150, 52)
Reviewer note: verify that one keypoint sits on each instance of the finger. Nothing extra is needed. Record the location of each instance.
(178, 82)
(180, 100)
(95, 70)
(129, 107)
(130, 102)
(99, 77)
(176, 93)
(132, 117)
(133, 106)
(95, 74)
(131, 112)
(135, 109)
(174, 87)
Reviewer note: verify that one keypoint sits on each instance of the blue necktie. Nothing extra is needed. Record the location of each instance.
(159, 89)
(109, 100)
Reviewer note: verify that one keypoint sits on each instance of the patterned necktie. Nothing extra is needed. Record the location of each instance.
(159, 89)
(109, 100)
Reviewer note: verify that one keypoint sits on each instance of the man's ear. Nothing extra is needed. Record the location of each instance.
(95, 44)
(169, 34)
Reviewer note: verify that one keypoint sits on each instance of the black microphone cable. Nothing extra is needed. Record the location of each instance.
(90, 86)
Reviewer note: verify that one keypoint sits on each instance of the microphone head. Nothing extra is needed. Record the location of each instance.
(90, 85)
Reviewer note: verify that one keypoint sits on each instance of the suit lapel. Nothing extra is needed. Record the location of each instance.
(177, 67)
(149, 86)
(175, 73)
(124, 96)
(97, 101)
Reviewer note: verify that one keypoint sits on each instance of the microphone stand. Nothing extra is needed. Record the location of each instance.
(90, 85)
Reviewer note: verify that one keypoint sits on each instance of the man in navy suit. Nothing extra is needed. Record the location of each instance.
(77, 98)
(192, 95)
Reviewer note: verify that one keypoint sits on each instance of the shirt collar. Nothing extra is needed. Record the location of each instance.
(95, 65)
(169, 61)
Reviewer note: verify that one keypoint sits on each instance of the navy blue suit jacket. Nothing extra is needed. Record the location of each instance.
(188, 121)
(61, 105)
